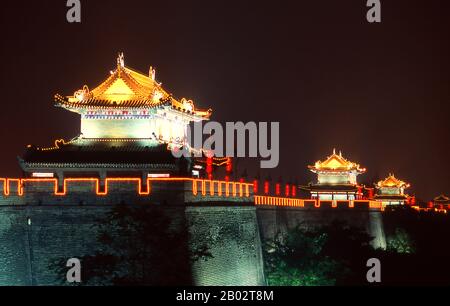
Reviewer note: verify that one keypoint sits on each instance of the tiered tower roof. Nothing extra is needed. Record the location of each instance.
(126, 88)
(391, 189)
(336, 162)
(442, 199)
(392, 181)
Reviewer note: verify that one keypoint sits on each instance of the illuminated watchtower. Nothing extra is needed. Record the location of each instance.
(390, 191)
(336, 178)
(127, 124)
(442, 202)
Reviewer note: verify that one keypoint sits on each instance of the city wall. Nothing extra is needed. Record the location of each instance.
(41, 220)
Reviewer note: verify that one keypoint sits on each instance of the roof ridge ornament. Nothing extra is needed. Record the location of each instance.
(120, 60)
(152, 73)
(82, 94)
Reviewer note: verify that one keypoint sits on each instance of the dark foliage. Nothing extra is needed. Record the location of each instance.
(418, 252)
(429, 261)
(326, 255)
(139, 245)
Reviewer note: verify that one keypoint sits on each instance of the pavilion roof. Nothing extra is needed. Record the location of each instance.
(336, 162)
(95, 151)
(441, 198)
(392, 181)
(127, 88)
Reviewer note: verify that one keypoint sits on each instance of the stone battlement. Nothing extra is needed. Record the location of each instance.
(114, 190)
(314, 203)
(176, 190)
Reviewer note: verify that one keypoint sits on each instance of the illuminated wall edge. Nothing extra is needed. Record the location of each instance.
(199, 188)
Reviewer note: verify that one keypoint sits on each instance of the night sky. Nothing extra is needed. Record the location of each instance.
(378, 92)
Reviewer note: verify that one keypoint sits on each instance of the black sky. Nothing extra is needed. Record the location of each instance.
(378, 92)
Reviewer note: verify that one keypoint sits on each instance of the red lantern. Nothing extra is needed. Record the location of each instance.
(266, 187)
(209, 167)
(294, 191)
(229, 166)
(277, 189)
(287, 190)
(359, 195)
(255, 186)
(370, 193)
